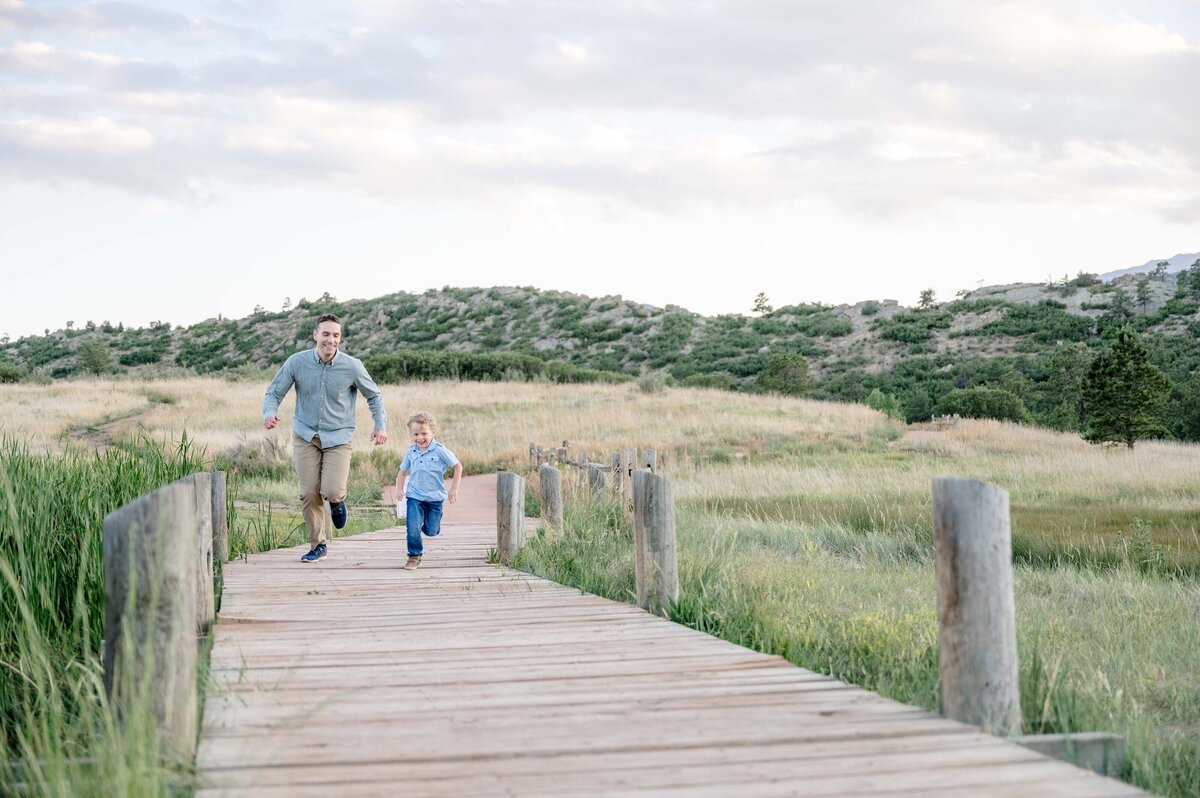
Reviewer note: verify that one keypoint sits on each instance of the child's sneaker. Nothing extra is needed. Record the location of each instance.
(412, 563)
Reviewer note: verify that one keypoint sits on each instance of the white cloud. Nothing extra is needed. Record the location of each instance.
(100, 137)
(876, 108)
(1036, 36)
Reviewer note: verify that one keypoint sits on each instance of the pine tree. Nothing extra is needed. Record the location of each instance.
(1121, 391)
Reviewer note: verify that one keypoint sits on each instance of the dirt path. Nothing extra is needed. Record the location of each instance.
(99, 435)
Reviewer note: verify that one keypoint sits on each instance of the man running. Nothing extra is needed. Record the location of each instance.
(327, 386)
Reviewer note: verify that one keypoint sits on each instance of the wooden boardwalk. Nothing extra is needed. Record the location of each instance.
(355, 677)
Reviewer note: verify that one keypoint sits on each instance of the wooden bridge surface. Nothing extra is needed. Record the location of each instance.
(355, 677)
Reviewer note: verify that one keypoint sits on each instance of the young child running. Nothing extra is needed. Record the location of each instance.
(421, 480)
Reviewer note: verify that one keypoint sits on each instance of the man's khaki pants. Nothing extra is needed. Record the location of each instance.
(323, 475)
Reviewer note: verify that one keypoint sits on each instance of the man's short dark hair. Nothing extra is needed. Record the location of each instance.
(326, 317)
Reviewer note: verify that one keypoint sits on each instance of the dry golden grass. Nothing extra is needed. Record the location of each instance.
(764, 446)
(487, 420)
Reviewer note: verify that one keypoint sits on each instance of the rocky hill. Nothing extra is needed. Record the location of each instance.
(994, 335)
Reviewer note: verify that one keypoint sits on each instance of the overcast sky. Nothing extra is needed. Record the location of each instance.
(176, 160)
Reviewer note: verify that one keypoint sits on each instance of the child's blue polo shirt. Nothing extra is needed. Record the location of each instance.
(426, 471)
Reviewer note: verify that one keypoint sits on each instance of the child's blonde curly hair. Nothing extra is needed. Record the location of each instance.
(422, 417)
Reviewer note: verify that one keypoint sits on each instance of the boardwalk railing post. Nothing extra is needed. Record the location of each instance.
(535, 459)
(628, 466)
(655, 569)
(977, 640)
(510, 515)
(618, 484)
(550, 481)
(150, 610)
(220, 535)
(595, 476)
(650, 460)
(220, 519)
(206, 606)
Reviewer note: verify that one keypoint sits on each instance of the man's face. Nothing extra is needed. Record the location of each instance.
(327, 335)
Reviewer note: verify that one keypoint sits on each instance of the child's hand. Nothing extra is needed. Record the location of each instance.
(453, 495)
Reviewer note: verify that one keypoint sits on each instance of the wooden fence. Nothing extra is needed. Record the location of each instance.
(162, 557)
(977, 642)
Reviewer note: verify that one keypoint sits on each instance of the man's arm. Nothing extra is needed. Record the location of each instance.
(285, 378)
(370, 390)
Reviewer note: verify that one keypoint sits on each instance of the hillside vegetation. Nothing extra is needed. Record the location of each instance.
(1027, 346)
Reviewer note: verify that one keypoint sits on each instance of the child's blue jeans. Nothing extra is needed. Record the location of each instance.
(421, 516)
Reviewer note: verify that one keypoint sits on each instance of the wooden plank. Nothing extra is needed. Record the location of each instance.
(353, 677)
(705, 770)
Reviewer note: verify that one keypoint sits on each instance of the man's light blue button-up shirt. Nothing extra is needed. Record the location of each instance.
(326, 394)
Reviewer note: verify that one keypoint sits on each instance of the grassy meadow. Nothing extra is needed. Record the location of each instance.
(804, 527)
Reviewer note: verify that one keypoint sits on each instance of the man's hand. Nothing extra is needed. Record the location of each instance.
(378, 437)
(270, 421)
(453, 497)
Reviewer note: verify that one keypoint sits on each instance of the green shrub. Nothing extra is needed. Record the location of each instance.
(718, 379)
(885, 403)
(785, 373)
(11, 372)
(95, 357)
(995, 403)
(652, 382)
(912, 327)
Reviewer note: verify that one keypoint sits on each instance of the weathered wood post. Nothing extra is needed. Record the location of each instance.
(510, 515)
(584, 467)
(220, 518)
(206, 607)
(977, 638)
(650, 460)
(596, 479)
(220, 537)
(655, 570)
(618, 484)
(628, 466)
(534, 459)
(150, 650)
(550, 480)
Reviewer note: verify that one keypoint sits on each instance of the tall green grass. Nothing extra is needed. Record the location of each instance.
(58, 733)
(1110, 646)
(268, 526)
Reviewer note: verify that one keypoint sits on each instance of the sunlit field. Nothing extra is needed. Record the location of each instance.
(762, 457)
(804, 527)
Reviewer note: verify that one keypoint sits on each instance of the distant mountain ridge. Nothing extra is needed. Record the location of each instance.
(1175, 265)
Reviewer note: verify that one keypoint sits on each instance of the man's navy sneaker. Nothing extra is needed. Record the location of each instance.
(338, 513)
(316, 554)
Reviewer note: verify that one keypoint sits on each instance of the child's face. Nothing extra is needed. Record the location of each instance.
(421, 435)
